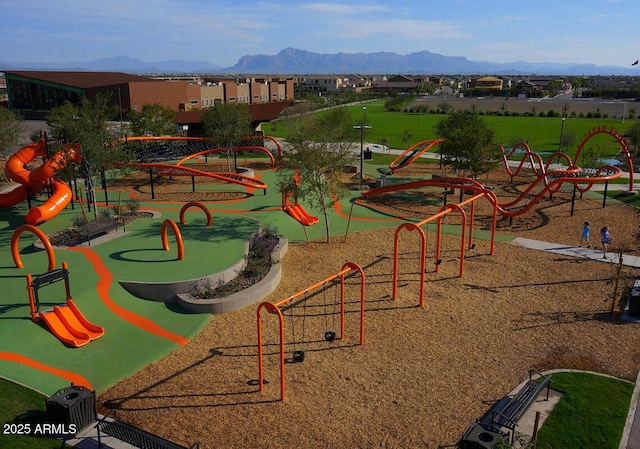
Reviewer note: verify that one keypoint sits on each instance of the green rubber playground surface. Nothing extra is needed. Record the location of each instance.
(136, 255)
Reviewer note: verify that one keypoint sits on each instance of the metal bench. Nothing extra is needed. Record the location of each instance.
(99, 226)
(507, 412)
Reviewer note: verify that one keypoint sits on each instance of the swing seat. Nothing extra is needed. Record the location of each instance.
(329, 336)
(298, 356)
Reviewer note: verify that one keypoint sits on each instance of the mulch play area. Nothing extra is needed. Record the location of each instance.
(422, 376)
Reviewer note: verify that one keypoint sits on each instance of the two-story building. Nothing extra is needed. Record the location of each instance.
(37, 92)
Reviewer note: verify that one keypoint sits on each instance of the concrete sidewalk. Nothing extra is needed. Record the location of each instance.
(577, 251)
(631, 433)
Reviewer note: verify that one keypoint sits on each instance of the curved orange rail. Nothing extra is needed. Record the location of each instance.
(619, 138)
(200, 139)
(511, 208)
(15, 252)
(164, 234)
(195, 204)
(220, 150)
(180, 170)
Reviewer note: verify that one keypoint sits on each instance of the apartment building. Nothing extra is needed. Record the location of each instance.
(37, 92)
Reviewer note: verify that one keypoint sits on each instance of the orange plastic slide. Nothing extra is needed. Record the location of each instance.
(70, 326)
(35, 180)
(294, 209)
(412, 153)
(299, 214)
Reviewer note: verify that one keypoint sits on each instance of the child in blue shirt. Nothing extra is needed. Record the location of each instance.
(586, 230)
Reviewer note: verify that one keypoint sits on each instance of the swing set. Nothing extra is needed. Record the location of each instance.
(480, 192)
(276, 308)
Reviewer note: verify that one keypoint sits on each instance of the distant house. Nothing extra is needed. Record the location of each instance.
(487, 82)
(398, 83)
(444, 91)
(528, 88)
(325, 83)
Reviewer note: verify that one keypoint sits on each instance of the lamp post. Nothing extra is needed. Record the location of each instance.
(561, 133)
(362, 127)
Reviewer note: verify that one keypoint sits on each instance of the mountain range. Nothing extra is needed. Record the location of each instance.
(295, 61)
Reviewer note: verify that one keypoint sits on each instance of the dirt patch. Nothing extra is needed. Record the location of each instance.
(424, 374)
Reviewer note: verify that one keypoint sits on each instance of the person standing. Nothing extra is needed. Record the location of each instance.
(605, 238)
(584, 237)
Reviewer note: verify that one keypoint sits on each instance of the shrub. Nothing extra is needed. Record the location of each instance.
(78, 221)
(133, 205)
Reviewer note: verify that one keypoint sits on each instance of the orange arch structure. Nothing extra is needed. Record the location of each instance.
(275, 308)
(15, 252)
(165, 238)
(619, 138)
(480, 192)
(195, 204)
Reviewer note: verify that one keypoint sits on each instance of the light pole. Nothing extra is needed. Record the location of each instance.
(561, 133)
(362, 127)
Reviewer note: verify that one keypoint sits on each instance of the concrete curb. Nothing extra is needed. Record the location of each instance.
(244, 298)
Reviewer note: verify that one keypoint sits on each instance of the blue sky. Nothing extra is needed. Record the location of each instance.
(604, 32)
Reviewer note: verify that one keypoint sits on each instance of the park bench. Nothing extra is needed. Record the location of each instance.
(507, 412)
(98, 226)
(135, 436)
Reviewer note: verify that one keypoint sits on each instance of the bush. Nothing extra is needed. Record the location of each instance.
(78, 221)
(133, 205)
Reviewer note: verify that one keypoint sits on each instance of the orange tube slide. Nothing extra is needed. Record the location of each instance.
(36, 179)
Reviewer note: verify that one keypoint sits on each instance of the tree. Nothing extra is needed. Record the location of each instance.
(227, 124)
(633, 136)
(11, 126)
(153, 119)
(86, 124)
(467, 144)
(319, 147)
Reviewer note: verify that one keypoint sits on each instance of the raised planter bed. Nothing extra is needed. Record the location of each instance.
(178, 291)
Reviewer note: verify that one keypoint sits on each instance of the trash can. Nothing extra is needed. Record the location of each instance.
(72, 405)
(634, 303)
(478, 437)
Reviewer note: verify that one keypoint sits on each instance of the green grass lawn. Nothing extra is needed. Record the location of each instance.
(21, 407)
(541, 133)
(582, 418)
(616, 193)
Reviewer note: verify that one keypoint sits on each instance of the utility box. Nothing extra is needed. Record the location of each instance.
(634, 301)
(72, 405)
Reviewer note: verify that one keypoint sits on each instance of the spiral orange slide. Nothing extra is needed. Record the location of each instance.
(33, 181)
